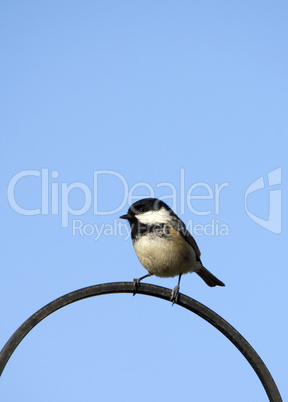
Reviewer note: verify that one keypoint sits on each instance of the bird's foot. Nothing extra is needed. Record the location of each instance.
(175, 294)
(136, 283)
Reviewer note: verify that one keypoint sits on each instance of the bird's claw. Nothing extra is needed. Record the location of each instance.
(174, 294)
(136, 283)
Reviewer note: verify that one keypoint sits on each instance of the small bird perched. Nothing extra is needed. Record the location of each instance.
(163, 244)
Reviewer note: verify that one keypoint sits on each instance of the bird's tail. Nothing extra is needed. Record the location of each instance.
(209, 278)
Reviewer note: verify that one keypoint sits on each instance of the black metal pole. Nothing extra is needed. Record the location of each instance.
(152, 290)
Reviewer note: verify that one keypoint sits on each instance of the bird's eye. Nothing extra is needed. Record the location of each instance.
(141, 209)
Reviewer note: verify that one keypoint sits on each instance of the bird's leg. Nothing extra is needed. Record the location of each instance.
(136, 282)
(175, 291)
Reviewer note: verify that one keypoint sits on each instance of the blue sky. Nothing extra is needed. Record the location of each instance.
(172, 98)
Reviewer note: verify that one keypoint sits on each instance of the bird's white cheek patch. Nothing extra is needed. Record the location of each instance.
(153, 217)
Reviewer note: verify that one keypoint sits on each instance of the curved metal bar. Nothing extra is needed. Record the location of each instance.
(152, 290)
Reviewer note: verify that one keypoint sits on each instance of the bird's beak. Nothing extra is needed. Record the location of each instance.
(127, 216)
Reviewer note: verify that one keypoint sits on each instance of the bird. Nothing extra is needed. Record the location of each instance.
(163, 244)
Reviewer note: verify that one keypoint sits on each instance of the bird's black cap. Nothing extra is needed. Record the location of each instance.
(145, 205)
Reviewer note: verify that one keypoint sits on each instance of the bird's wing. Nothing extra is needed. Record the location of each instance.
(181, 227)
(190, 239)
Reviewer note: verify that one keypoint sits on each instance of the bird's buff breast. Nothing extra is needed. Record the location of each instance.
(164, 257)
